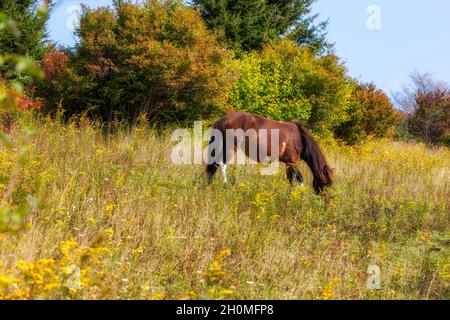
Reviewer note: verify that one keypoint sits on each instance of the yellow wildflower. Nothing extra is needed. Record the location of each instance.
(225, 292)
(158, 296)
(110, 207)
(327, 292)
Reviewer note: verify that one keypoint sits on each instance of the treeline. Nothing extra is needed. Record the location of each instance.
(173, 63)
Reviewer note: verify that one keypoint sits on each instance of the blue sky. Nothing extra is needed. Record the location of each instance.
(381, 41)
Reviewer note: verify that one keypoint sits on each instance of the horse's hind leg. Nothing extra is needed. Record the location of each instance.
(293, 172)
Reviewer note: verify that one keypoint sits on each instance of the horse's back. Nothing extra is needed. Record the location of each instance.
(243, 120)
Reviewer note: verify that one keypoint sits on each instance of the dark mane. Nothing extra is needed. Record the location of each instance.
(313, 156)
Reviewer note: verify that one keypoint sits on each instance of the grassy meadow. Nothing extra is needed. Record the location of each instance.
(110, 217)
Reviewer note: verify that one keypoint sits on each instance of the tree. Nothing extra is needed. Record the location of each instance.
(427, 105)
(288, 82)
(17, 48)
(30, 18)
(15, 203)
(370, 113)
(247, 25)
(156, 58)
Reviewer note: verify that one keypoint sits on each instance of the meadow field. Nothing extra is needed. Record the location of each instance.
(110, 217)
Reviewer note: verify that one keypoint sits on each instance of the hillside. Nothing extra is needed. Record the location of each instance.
(140, 227)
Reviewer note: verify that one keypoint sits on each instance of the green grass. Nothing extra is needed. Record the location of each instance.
(141, 227)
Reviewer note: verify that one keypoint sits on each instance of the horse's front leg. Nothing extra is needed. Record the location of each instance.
(228, 155)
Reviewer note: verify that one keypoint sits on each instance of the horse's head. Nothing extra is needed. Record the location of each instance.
(323, 179)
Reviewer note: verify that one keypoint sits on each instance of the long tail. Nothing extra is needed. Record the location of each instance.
(212, 166)
(310, 152)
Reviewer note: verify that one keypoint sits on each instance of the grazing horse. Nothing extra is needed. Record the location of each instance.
(294, 143)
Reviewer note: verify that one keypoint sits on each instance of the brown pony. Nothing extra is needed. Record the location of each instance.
(295, 143)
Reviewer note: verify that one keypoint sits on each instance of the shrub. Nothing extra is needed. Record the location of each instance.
(157, 58)
(431, 119)
(287, 82)
(427, 105)
(370, 113)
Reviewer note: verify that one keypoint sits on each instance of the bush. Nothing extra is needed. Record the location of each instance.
(370, 113)
(427, 105)
(287, 82)
(431, 120)
(156, 59)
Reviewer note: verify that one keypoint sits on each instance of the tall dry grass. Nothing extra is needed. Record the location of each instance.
(113, 218)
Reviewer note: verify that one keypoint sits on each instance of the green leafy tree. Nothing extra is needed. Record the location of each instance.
(370, 114)
(156, 58)
(14, 202)
(288, 82)
(27, 36)
(249, 24)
